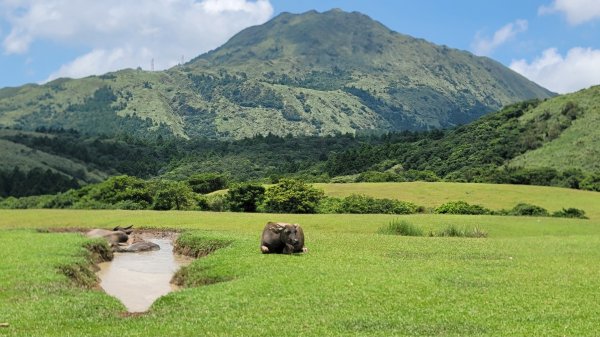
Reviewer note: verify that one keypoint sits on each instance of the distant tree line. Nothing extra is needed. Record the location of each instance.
(477, 152)
(287, 196)
(37, 181)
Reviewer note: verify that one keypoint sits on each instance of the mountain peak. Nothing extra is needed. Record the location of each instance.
(301, 74)
(322, 40)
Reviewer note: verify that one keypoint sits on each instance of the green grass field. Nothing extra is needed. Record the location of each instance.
(531, 276)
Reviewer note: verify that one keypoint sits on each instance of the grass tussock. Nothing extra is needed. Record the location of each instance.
(197, 246)
(404, 228)
(465, 232)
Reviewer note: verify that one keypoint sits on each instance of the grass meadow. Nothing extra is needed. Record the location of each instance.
(530, 276)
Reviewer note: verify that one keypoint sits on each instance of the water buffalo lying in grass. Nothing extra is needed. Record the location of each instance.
(282, 238)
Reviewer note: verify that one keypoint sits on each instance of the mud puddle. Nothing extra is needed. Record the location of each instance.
(138, 279)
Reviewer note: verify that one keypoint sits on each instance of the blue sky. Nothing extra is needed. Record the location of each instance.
(553, 42)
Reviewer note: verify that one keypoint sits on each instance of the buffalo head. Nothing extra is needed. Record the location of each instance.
(127, 230)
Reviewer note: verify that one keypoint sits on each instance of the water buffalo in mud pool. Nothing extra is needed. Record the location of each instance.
(117, 235)
(141, 246)
(282, 238)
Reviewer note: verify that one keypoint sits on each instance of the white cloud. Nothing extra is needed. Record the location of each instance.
(127, 33)
(483, 45)
(577, 11)
(100, 61)
(579, 69)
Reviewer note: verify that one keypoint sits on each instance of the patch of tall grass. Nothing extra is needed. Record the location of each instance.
(404, 228)
(464, 232)
(401, 227)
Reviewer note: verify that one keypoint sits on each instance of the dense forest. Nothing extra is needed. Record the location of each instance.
(477, 152)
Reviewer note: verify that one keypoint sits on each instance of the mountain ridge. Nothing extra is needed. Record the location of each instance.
(538, 142)
(300, 74)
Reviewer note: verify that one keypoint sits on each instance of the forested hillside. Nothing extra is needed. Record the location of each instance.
(490, 149)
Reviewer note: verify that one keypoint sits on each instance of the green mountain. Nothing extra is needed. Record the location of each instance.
(563, 147)
(549, 142)
(537, 142)
(307, 74)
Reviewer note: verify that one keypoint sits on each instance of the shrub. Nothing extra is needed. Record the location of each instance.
(528, 210)
(214, 203)
(453, 231)
(378, 177)
(120, 188)
(570, 213)
(402, 227)
(172, 195)
(591, 182)
(363, 204)
(204, 183)
(344, 179)
(415, 175)
(245, 197)
(131, 205)
(292, 196)
(329, 205)
(87, 203)
(461, 207)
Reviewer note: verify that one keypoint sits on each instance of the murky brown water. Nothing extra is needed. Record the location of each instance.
(138, 279)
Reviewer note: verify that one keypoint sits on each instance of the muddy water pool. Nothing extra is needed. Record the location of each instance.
(138, 279)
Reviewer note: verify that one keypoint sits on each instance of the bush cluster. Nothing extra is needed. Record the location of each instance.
(570, 213)
(292, 196)
(287, 196)
(363, 204)
(524, 209)
(461, 207)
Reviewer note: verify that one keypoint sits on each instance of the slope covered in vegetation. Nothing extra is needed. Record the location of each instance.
(306, 74)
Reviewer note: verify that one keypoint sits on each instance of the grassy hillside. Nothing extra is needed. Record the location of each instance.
(577, 145)
(550, 142)
(25, 158)
(51, 158)
(494, 196)
(532, 142)
(306, 74)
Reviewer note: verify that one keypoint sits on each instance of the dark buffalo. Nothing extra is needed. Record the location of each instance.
(127, 230)
(140, 246)
(282, 238)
